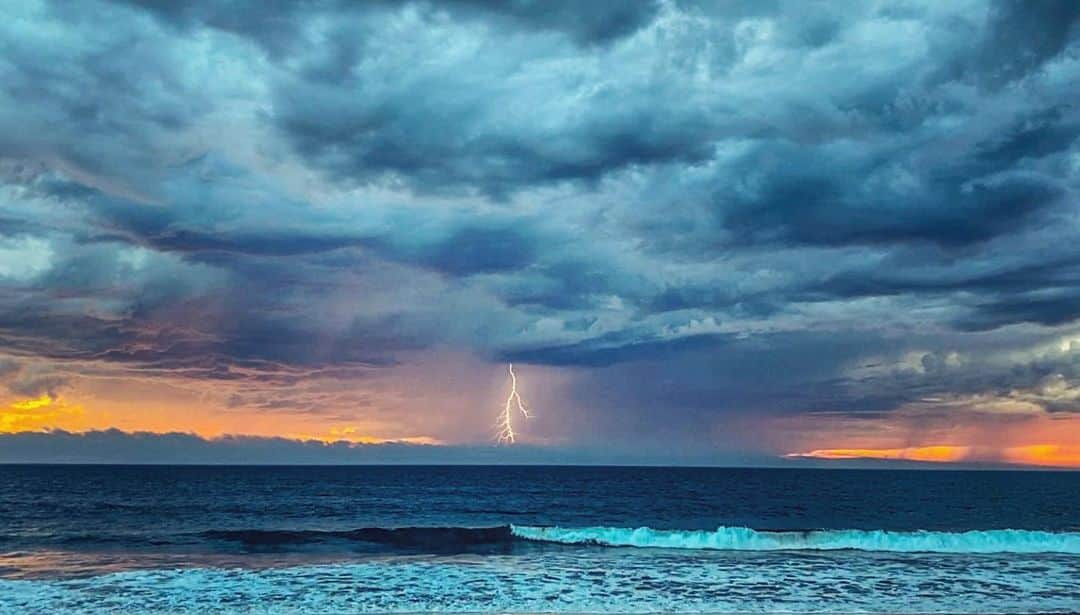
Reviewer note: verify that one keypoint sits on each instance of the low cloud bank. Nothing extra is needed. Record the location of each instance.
(115, 446)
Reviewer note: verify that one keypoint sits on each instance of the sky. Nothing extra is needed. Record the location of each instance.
(713, 233)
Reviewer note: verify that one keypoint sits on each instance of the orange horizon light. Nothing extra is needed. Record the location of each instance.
(1051, 455)
(938, 453)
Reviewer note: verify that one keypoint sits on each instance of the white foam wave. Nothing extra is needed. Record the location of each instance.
(577, 581)
(746, 539)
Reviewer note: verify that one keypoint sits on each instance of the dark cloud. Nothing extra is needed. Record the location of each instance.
(477, 249)
(1052, 308)
(611, 349)
(1040, 134)
(1023, 36)
(598, 22)
(37, 384)
(279, 30)
(394, 136)
(30, 380)
(817, 203)
(114, 446)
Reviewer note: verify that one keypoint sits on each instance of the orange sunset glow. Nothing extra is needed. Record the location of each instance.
(920, 453)
(451, 407)
(47, 414)
(41, 413)
(1032, 439)
(1050, 455)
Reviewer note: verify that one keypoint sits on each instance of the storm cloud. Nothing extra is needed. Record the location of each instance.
(700, 210)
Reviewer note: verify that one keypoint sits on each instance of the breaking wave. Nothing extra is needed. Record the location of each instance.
(746, 539)
(428, 537)
(721, 539)
(513, 537)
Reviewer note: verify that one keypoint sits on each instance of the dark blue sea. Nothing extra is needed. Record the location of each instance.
(118, 539)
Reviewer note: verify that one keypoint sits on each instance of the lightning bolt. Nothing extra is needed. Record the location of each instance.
(514, 404)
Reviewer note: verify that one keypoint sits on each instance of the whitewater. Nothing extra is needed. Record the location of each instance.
(746, 539)
(579, 580)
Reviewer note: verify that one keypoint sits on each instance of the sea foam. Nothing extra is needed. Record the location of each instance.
(746, 539)
(584, 580)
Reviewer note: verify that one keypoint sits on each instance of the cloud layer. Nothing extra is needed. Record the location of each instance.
(690, 215)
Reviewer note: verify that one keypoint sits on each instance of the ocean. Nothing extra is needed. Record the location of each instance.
(184, 539)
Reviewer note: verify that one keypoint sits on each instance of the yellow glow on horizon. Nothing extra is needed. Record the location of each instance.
(939, 453)
(46, 413)
(1044, 455)
(354, 435)
(1049, 455)
(41, 413)
(141, 412)
(32, 404)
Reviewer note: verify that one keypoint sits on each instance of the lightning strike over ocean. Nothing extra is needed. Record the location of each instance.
(505, 427)
(796, 286)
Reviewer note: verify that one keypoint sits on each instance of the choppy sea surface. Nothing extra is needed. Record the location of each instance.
(118, 539)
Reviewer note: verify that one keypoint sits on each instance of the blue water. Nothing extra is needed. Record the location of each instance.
(535, 539)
